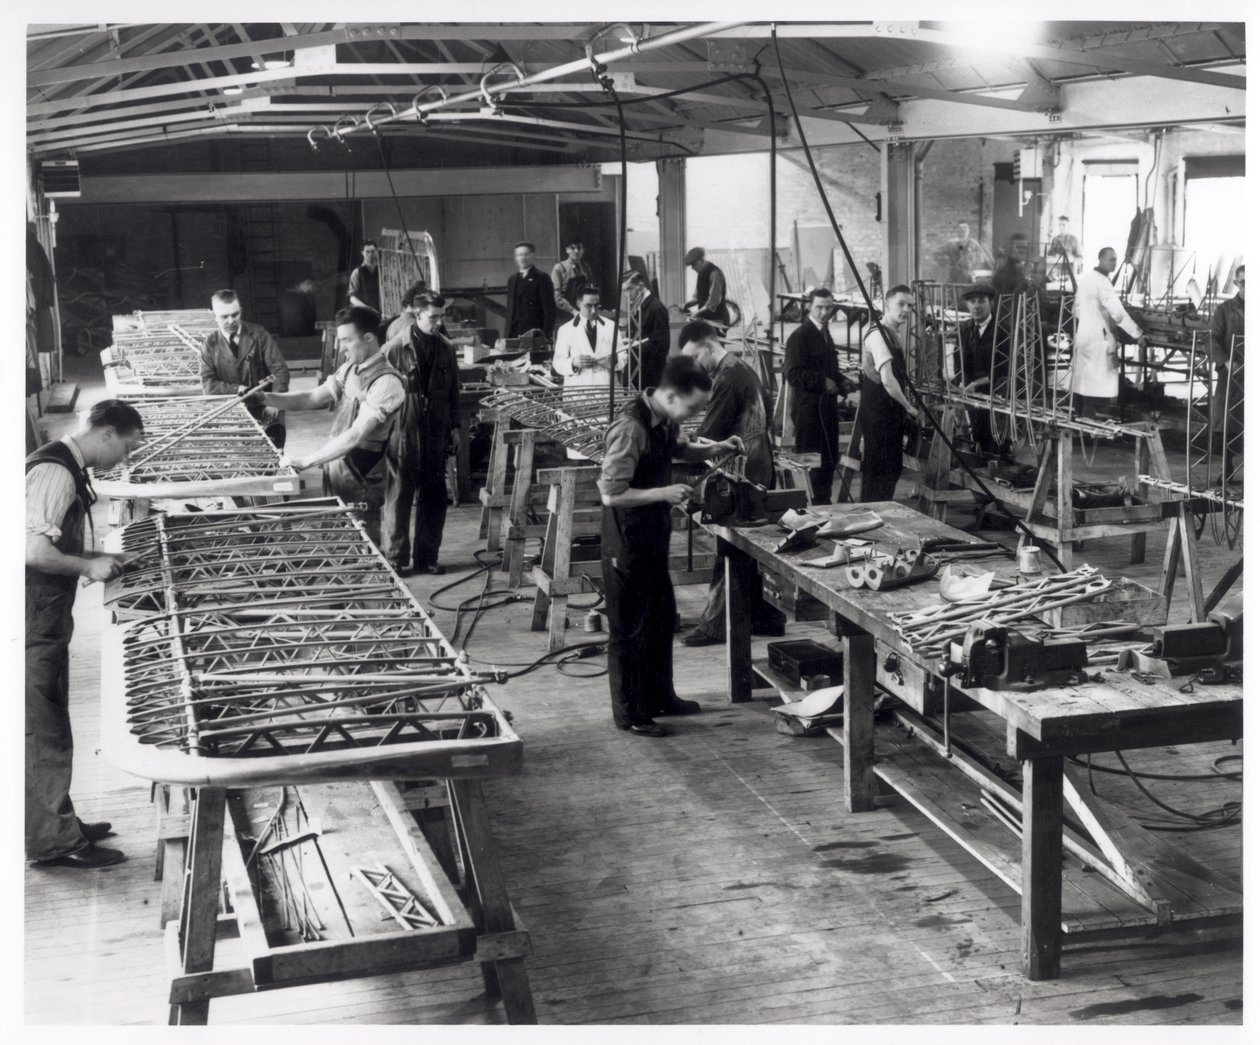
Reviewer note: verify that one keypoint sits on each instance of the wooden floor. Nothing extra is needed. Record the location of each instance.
(711, 877)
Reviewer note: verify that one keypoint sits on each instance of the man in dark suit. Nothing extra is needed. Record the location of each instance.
(813, 374)
(649, 325)
(239, 355)
(531, 298)
(977, 340)
(415, 457)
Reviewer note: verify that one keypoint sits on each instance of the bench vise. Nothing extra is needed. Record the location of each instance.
(993, 657)
(730, 500)
(1214, 643)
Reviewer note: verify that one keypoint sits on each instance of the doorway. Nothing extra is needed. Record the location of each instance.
(1109, 204)
(595, 225)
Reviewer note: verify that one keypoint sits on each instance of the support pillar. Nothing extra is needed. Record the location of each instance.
(671, 213)
(899, 232)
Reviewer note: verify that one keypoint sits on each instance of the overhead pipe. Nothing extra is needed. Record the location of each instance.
(480, 94)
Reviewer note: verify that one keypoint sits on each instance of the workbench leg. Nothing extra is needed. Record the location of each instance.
(1181, 550)
(1041, 899)
(172, 853)
(1142, 466)
(859, 717)
(202, 885)
(506, 978)
(1065, 516)
(739, 578)
(496, 483)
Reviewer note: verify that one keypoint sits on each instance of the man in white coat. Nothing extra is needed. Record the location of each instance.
(584, 344)
(1095, 354)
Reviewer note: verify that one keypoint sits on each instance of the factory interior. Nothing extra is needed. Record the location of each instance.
(634, 523)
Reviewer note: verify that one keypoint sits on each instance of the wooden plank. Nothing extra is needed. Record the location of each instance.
(200, 908)
(496, 913)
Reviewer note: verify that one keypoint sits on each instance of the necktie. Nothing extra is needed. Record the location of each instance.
(234, 345)
(590, 333)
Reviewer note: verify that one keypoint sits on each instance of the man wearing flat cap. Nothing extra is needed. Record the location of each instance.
(709, 299)
(978, 337)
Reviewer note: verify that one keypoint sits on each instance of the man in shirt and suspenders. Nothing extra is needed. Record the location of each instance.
(366, 393)
(59, 501)
(637, 490)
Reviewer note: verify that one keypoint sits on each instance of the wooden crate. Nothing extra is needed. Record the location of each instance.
(1127, 600)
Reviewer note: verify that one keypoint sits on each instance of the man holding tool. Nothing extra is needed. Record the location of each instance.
(737, 407)
(237, 356)
(637, 491)
(367, 394)
(59, 501)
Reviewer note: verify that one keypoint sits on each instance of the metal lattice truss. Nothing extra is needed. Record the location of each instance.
(274, 645)
(156, 353)
(1021, 397)
(199, 447)
(400, 267)
(576, 418)
(1214, 436)
(929, 630)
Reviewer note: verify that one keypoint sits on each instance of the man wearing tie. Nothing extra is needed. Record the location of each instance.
(239, 355)
(531, 298)
(813, 374)
(584, 345)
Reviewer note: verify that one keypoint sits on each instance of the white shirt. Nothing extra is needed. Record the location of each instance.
(571, 342)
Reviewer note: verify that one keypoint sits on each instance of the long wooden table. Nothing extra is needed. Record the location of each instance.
(1042, 727)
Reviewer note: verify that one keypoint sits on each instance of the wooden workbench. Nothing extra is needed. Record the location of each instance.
(1042, 729)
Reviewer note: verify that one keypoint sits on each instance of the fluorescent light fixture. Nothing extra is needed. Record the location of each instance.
(236, 89)
(270, 63)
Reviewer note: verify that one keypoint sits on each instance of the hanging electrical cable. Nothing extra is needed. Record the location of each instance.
(848, 257)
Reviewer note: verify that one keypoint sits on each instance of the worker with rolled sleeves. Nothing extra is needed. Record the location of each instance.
(709, 300)
(738, 406)
(366, 394)
(421, 442)
(1095, 352)
(59, 502)
(884, 409)
(813, 374)
(237, 356)
(637, 490)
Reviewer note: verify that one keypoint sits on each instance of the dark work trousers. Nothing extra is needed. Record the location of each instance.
(641, 611)
(817, 423)
(712, 621)
(357, 478)
(881, 452)
(52, 829)
(410, 487)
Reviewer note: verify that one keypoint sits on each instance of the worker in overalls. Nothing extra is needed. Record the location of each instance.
(59, 500)
(366, 393)
(885, 410)
(637, 490)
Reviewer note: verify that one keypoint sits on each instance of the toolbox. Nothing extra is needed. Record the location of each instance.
(800, 659)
